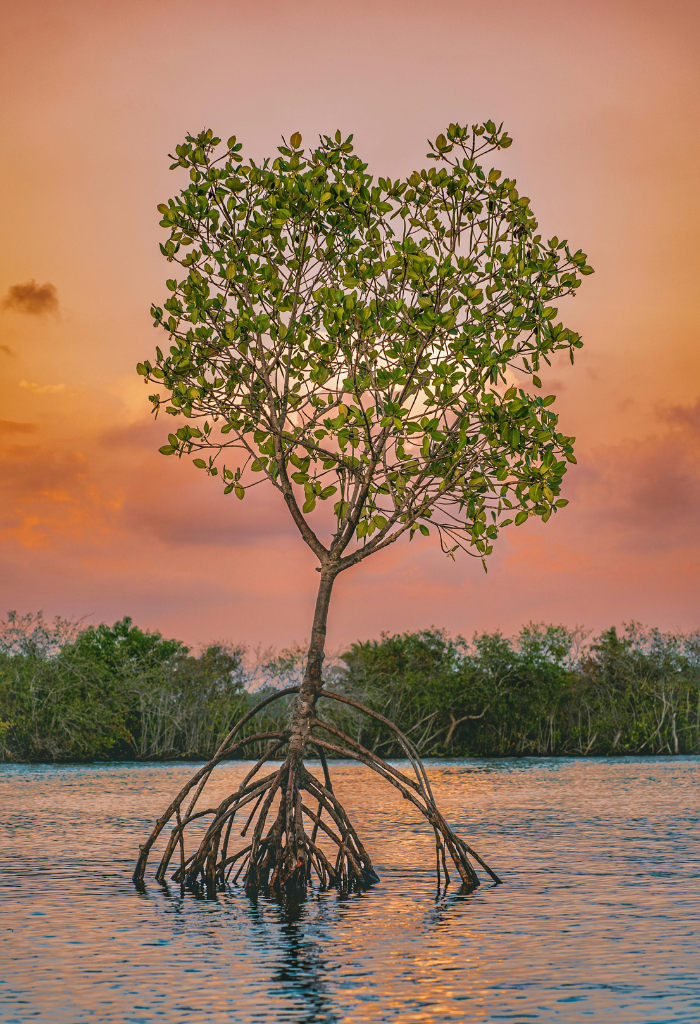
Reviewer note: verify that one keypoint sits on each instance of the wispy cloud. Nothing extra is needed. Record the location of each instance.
(50, 495)
(687, 417)
(31, 298)
(7, 351)
(39, 389)
(12, 427)
(643, 494)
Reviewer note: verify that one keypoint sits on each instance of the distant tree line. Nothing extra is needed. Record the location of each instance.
(69, 693)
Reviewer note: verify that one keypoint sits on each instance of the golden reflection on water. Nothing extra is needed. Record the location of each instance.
(597, 919)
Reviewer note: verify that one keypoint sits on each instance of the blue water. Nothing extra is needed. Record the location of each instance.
(598, 919)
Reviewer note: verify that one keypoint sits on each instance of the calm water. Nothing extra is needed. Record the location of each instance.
(599, 918)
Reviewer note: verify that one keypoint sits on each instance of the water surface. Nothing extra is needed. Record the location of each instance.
(598, 918)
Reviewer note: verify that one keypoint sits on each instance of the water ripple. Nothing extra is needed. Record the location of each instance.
(598, 919)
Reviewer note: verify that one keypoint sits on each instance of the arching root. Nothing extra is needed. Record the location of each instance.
(284, 811)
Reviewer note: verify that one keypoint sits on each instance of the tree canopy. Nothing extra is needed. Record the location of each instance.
(373, 342)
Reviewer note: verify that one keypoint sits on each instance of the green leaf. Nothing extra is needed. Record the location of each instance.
(295, 140)
(521, 518)
(240, 492)
(536, 381)
(310, 504)
(167, 449)
(561, 503)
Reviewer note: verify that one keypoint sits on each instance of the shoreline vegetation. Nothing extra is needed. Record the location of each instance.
(70, 693)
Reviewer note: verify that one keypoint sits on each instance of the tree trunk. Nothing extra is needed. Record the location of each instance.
(290, 819)
(312, 685)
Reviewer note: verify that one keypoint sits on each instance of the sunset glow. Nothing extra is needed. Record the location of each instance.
(602, 102)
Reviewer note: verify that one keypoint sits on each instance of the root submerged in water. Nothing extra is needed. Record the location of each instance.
(289, 815)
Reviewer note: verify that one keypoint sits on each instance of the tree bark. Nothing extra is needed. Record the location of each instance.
(312, 684)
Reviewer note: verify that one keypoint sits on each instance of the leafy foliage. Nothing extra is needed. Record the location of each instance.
(32, 634)
(366, 341)
(120, 692)
(542, 692)
(106, 692)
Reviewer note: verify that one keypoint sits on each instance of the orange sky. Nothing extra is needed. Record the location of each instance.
(602, 100)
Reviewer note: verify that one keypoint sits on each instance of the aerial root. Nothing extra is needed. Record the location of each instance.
(286, 840)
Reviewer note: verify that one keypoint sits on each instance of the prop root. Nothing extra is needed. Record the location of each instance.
(290, 811)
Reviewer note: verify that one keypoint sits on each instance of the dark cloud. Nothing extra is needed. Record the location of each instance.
(685, 417)
(144, 436)
(648, 489)
(49, 495)
(179, 505)
(32, 298)
(34, 472)
(6, 350)
(168, 499)
(11, 427)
